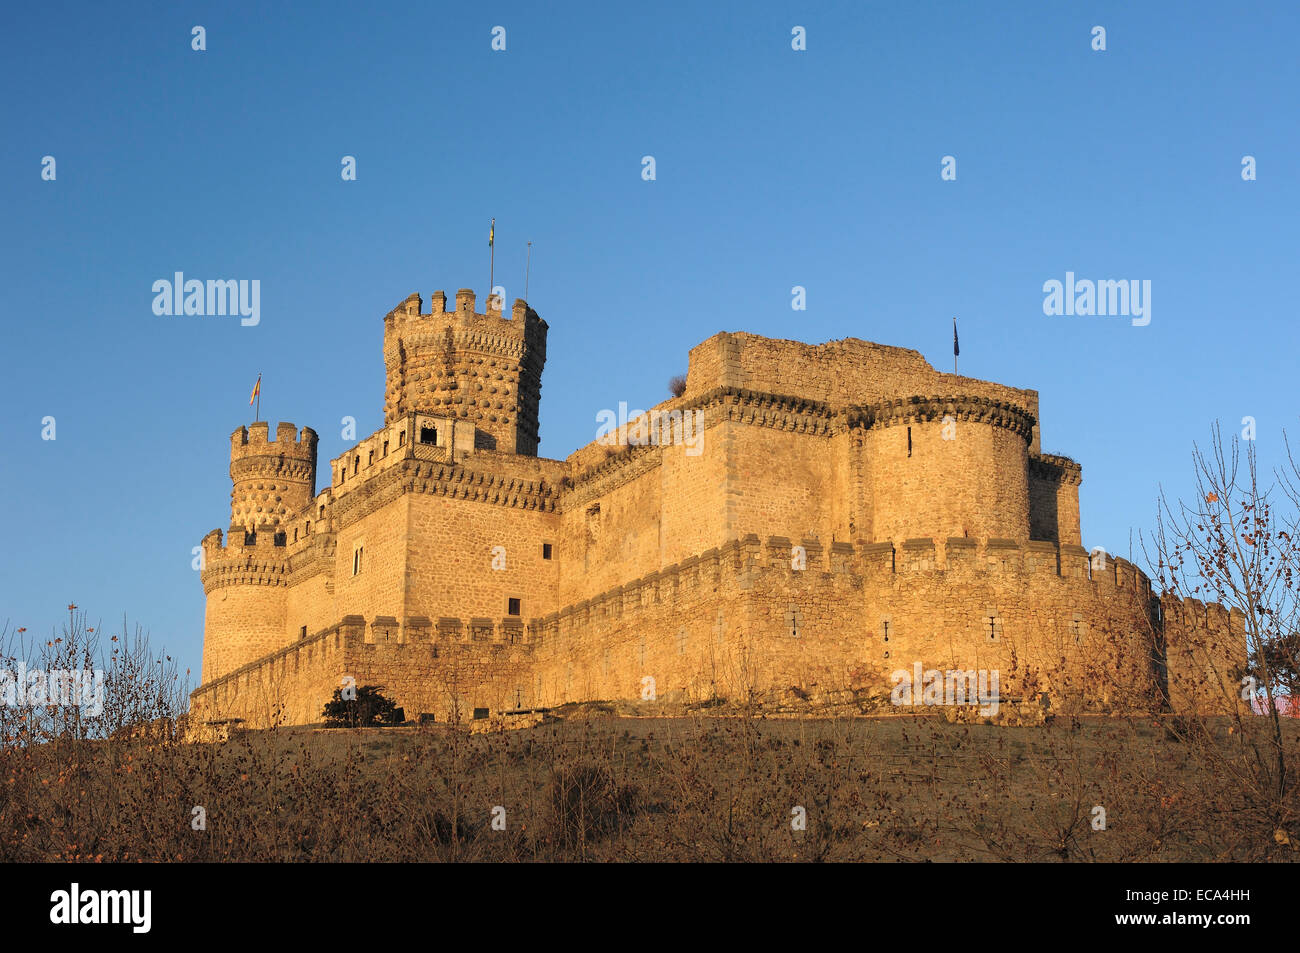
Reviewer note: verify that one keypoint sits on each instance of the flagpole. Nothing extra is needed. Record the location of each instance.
(492, 268)
(528, 264)
(257, 411)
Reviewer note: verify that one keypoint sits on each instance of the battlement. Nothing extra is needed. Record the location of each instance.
(244, 558)
(409, 313)
(1055, 468)
(254, 441)
(964, 408)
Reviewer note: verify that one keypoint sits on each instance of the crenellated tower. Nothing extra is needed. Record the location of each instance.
(272, 480)
(481, 367)
(244, 574)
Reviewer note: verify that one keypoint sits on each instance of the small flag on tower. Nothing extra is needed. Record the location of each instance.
(257, 390)
(955, 349)
(492, 232)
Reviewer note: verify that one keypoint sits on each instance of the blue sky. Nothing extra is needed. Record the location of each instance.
(775, 168)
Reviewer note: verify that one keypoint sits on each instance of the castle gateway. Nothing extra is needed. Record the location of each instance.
(839, 512)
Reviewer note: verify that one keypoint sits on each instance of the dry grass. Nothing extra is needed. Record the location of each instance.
(609, 788)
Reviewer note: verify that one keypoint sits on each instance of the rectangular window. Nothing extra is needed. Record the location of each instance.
(401, 437)
(356, 559)
(546, 550)
(302, 633)
(512, 607)
(370, 460)
(385, 448)
(250, 539)
(279, 539)
(429, 435)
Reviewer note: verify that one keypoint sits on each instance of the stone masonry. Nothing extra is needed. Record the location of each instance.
(805, 521)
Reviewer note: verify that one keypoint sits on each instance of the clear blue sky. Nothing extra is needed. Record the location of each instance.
(775, 168)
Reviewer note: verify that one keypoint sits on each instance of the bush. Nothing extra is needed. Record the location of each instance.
(369, 707)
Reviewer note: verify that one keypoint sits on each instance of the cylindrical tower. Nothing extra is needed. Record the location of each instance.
(245, 578)
(946, 466)
(484, 368)
(271, 481)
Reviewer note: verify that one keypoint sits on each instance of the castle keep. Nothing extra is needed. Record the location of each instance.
(800, 523)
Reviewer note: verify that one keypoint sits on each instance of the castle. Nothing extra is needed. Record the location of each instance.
(801, 522)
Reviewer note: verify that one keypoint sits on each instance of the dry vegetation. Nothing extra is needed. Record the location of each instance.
(599, 787)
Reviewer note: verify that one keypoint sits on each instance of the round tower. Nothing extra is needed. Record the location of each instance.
(481, 367)
(272, 481)
(245, 576)
(947, 466)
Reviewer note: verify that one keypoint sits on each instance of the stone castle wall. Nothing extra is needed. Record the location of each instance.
(447, 562)
(740, 623)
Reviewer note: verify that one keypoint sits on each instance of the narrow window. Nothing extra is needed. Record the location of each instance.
(909, 441)
(295, 534)
(356, 560)
(512, 607)
(307, 531)
(886, 631)
(546, 550)
(356, 464)
(370, 460)
(322, 511)
(385, 448)
(401, 437)
(302, 632)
